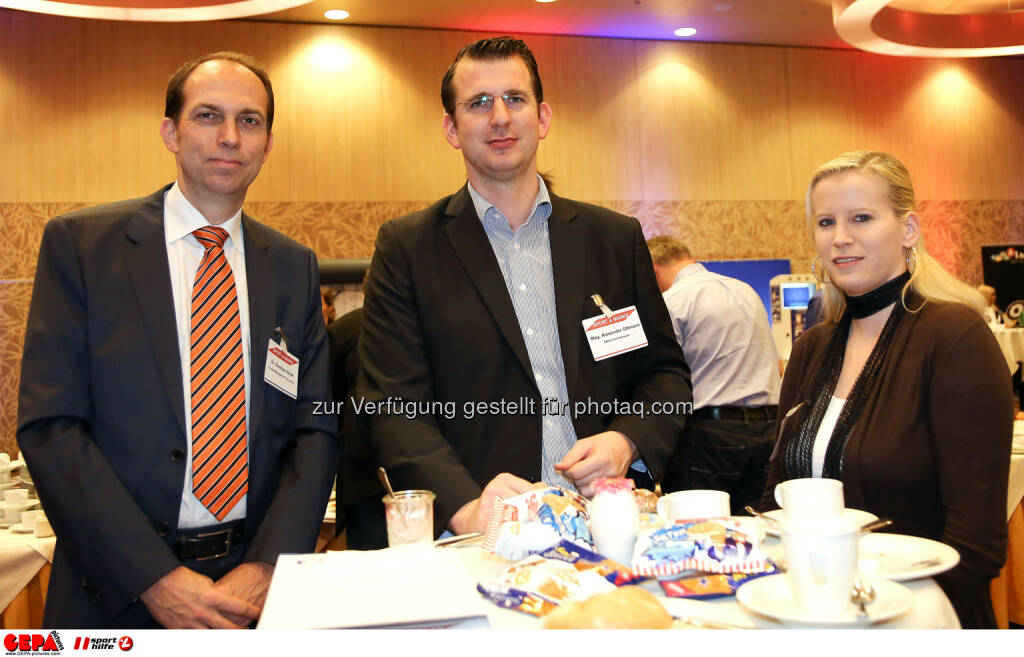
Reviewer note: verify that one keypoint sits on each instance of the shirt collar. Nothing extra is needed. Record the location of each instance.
(542, 202)
(689, 270)
(181, 218)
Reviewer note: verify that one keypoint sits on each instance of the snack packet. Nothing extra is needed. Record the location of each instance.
(708, 586)
(535, 521)
(527, 585)
(584, 559)
(710, 545)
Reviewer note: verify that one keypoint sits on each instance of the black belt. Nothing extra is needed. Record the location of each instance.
(212, 543)
(741, 413)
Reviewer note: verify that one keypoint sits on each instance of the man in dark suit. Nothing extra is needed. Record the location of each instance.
(174, 462)
(478, 379)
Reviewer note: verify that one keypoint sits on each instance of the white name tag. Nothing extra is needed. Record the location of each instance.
(282, 370)
(619, 333)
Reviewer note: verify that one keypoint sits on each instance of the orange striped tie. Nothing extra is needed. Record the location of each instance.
(220, 467)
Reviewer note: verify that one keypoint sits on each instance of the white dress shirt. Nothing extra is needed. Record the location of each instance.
(723, 329)
(184, 253)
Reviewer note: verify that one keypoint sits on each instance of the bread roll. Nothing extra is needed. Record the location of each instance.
(625, 608)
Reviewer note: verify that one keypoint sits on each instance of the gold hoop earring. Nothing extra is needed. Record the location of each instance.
(911, 261)
(823, 278)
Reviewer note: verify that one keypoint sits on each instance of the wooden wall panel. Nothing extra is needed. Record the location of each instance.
(359, 113)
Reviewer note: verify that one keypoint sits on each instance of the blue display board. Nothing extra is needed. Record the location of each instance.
(755, 273)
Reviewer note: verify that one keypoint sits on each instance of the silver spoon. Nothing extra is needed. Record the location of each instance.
(875, 524)
(754, 512)
(384, 481)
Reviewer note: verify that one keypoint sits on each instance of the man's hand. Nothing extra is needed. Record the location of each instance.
(475, 514)
(184, 599)
(248, 581)
(606, 454)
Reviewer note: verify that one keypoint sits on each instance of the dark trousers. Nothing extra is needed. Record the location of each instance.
(729, 455)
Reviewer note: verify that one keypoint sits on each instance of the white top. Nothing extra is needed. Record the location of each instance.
(723, 328)
(184, 254)
(825, 429)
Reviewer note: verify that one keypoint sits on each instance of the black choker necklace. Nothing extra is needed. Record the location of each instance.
(882, 296)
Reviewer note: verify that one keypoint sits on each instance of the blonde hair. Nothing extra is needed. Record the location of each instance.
(927, 278)
(666, 250)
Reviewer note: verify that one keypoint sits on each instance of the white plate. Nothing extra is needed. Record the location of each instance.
(862, 517)
(901, 558)
(771, 596)
(22, 529)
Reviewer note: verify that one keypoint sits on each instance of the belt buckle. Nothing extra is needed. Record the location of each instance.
(227, 544)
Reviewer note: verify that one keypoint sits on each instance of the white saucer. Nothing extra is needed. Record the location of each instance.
(901, 558)
(855, 515)
(771, 596)
(7, 485)
(20, 528)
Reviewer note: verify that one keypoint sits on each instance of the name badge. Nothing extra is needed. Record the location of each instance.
(614, 333)
(282, 371)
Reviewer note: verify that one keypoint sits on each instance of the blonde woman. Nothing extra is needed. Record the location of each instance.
(901, 392)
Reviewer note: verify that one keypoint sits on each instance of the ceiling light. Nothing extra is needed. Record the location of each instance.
(545, 0)
(685, 31)
(336, 14)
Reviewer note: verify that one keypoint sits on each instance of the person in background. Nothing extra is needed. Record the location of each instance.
(327, 296)
(722, 327)
(481, 298)
(992, 313)
(360, 509)
(901, 392)
(173, 473)
(813, 314)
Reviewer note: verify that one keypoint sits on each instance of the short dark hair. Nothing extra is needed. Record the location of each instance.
(503, 47)
(176, 85)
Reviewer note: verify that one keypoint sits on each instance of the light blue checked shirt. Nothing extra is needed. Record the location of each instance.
(525, 260)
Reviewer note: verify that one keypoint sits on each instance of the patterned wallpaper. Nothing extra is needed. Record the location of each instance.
(719, 230)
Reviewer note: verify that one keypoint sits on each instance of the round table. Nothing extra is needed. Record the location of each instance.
(1011, 343)
(931, 608)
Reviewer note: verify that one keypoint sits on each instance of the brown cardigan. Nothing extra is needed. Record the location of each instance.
(931, 449)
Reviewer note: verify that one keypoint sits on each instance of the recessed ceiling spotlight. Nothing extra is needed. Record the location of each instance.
(545, 0)
(685, 31)
(336, 14)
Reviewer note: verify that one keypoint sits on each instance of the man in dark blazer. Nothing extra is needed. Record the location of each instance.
(105, 410)
(477, 378)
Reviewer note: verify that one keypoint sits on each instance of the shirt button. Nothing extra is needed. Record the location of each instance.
(549, 423)
(515, 246)
(539, 378)
(529, 331)
(522, 287)
(177, 455)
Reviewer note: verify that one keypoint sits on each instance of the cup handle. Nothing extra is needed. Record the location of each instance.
(663, 510)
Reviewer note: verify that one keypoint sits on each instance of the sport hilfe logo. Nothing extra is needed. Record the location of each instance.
(18, 644)
(125, 643)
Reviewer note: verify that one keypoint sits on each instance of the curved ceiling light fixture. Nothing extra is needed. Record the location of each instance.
(874, 26)
(171, 11)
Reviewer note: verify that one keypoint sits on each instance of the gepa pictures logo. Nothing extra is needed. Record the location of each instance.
(33, 644)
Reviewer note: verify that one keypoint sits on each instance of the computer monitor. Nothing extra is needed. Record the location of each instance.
(796, 296)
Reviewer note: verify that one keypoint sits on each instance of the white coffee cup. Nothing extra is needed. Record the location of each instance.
(42, 527)
(821, 562)
(28, 518)
(686, 504)
(16, 496)
(810, 497)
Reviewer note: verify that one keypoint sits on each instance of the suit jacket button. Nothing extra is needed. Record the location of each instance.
(164, 529)
(177, 455)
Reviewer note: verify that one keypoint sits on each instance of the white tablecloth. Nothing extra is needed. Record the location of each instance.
(1016, 490)
(1011, 343)
(21, 557)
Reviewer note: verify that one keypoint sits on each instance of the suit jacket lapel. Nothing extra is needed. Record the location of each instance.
(569, 238)
(146, 263)
(259, 279)
(467, 236)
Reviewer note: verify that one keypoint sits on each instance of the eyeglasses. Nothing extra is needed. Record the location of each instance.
(482, 104)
